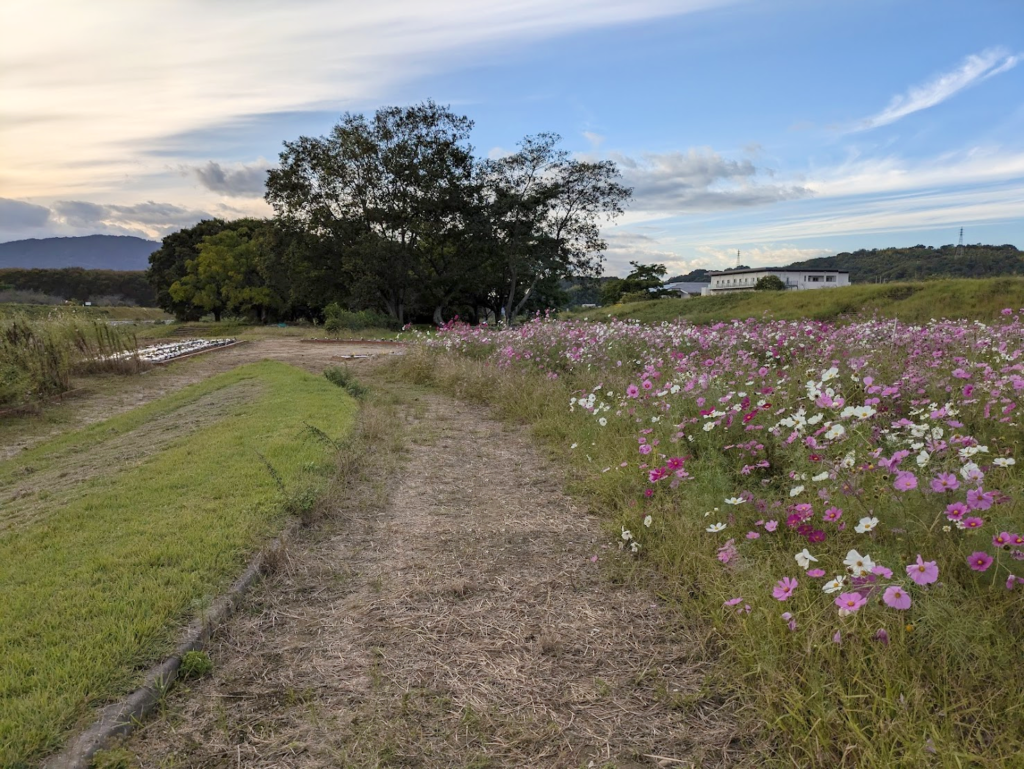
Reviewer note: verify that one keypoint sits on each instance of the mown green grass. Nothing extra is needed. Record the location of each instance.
(97, 591)
(910, 302)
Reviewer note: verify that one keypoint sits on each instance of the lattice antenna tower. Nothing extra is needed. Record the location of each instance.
(960, 246)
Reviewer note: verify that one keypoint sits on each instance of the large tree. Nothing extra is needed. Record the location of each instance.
(168, 264)
(390, 192)
(546, 208)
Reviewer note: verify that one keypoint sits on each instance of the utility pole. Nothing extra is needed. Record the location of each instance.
(738, 252)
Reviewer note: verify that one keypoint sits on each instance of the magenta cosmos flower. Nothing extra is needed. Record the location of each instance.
(979, 561)
(905, 481)
(895, 597)
(784, 588)
(923, 572)
(956, 511)
(974, 522)
(832, 514)
(850, 601)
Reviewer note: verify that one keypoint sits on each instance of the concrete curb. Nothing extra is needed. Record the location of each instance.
(121, 718)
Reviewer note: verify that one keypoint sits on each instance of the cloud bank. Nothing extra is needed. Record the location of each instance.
(241, 182)
(700, 180)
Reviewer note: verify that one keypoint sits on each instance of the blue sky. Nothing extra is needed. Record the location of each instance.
(784, 129)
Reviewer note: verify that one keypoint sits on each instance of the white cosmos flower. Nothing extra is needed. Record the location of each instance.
(820, 477)
(715, 527)
(602, 421)
(735, 501)
(1004, 461)
(923, 458)
(835, 431)
(709, 426)
(647, 521)
(804, 559)
(626, 534)
(866, 524)
(834, 585)
(796, 491)
(831, 373)
(858, 564)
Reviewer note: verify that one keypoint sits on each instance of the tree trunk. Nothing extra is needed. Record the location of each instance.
(216, 316)
(438, 317)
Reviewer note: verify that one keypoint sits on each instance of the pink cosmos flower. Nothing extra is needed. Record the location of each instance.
(647, 384)
(882, 636)
(632, 391)
(979, 561)
(789, 620)
(974, 522)
(978, 500)
(944, 482)
(1002, 539)
(896, 597)
(837, 638)
(674, 463)
(905, 481)
(771, 525)
(784, 588)
(815, 573)
(882, 572)
(923, 572)
(753, 535)
(733, 601)
(832, 514)
(850, 602)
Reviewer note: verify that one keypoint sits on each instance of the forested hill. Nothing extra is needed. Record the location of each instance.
(923, 263)
(93, 252)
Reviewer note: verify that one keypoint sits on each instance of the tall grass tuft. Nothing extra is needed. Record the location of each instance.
(39, 356)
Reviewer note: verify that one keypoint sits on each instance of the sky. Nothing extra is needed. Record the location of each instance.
(782, 129)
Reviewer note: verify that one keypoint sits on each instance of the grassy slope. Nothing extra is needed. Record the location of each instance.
(97, 591)
(910, 302)
(99, 313)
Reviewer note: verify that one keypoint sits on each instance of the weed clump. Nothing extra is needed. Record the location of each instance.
(195, 664)
(342, 377)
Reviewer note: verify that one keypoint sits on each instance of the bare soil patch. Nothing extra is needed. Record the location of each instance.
(459, 619)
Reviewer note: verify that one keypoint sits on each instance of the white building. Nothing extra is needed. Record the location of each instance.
(795, 279)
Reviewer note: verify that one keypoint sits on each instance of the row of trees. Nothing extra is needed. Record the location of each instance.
(395, 212)
(81, 285)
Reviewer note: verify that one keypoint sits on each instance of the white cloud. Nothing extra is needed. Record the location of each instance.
(119, 77)
(973, 69)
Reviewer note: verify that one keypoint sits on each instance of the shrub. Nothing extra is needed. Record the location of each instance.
(339, 319)
(770, 283)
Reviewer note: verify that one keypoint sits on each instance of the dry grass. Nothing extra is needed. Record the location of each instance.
(447, 612)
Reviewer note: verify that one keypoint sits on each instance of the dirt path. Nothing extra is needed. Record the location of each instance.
(108, 396)
(461, 621)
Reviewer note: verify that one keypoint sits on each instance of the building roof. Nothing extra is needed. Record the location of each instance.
(749, 270)
(689, 288)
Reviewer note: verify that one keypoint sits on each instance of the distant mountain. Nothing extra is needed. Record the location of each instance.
(922, 263)
(93, 252)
